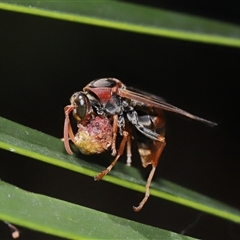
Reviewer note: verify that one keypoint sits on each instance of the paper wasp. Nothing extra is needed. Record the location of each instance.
(105, 108)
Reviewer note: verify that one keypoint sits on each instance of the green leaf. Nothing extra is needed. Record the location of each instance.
(23, 140)
(68, 220)
(132, 17)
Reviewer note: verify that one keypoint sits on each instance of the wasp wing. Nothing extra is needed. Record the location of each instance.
(146, 94)
(145, 99)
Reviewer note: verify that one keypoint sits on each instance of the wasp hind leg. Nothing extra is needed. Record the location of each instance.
(150, 154)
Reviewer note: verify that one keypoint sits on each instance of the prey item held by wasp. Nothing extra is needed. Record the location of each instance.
(105, 108)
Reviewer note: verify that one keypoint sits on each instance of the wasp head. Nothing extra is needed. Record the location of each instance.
(82, 108)
(94, 133)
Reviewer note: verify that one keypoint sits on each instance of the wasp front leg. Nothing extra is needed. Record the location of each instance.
(120, 152)
(68, 133)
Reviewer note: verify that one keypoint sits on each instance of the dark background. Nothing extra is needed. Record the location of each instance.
(43, 61)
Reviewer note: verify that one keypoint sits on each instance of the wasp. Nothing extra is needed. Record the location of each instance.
(106, 108)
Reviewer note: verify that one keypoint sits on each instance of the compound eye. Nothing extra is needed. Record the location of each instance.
(82, 105)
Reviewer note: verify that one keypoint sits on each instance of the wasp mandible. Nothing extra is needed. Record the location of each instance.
(106, 108)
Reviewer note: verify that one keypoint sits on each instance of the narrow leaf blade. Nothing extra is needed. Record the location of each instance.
(68, 220)
(134, 18)
(25, 141)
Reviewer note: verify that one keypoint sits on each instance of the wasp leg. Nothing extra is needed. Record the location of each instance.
(129, 151)
(68, 133)
(158, 148)
(120, 152)
(115, 128)
(129, 146)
